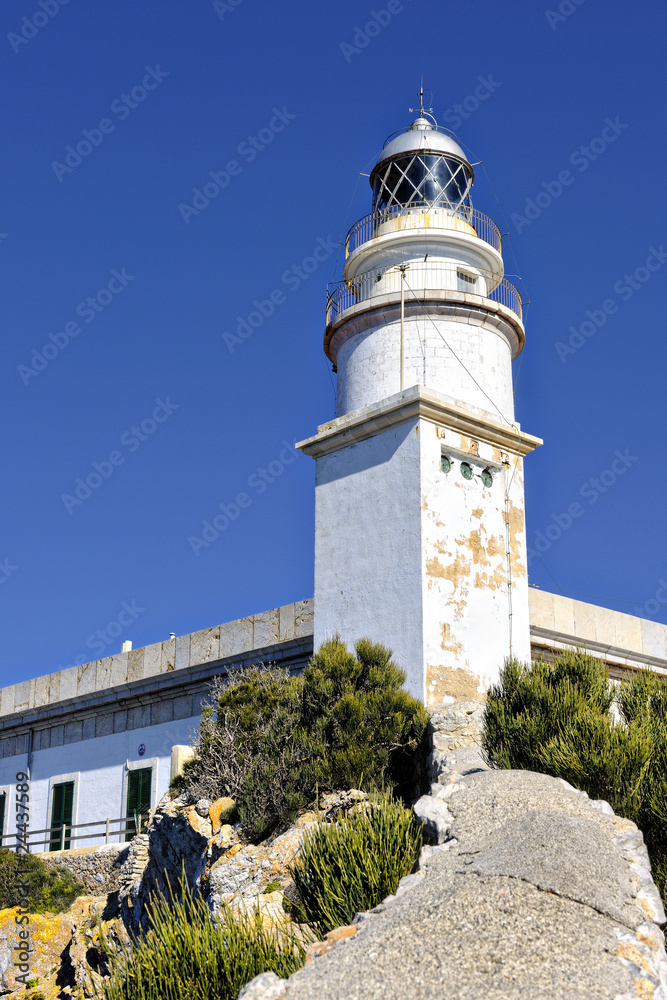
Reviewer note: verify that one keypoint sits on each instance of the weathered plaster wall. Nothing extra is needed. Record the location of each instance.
(468, 631)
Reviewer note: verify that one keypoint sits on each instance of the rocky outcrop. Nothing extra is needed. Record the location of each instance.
(65, 956)
(533, 893)
(526, 890)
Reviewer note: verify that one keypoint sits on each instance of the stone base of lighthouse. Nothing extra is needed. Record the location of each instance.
(420, 539)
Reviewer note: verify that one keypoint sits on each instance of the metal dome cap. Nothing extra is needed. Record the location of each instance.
(425, 137)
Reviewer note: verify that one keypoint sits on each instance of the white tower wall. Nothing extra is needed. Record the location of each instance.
(417, 558)
(465, 355)
(368, 577)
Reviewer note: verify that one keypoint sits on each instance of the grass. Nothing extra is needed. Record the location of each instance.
(186, 955)
(350, 866)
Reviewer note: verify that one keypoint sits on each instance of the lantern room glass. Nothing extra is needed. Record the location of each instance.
(419, 180)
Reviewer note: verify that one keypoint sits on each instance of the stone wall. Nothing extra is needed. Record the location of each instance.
(622, 641)
(98, 868)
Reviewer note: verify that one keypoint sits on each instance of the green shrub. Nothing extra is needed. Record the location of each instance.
(559, 718)
(352, 865)
(185, 955)
(275, 739)
(48, 889)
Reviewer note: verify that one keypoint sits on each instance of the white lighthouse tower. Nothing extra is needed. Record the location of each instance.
(420, 536)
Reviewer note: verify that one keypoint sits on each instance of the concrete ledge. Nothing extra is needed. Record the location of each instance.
(100, 712)
(121, 672)
(621, 640)
(437, 298)
(412, 404)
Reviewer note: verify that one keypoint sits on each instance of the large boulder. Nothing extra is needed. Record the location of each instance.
(537, 894)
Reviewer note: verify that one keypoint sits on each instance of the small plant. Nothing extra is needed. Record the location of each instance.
(272, 887)
(49, 889)
(352, 865)
(185, 955)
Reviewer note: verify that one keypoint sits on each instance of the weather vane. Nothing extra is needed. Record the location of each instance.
(422, 109)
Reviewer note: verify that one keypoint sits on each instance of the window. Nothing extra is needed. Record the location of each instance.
(61, 816)
(3, 799)
(465, 282)
(138, 800)
(425, 180)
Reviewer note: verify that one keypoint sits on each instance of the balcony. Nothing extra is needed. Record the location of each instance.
(421, 277)
(400, 218)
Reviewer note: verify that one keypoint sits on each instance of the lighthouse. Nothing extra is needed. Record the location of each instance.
(420, 536)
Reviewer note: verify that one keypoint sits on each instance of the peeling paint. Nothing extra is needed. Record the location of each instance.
(494, 582)
(443, 683)
(516, 525)
(478, 512)
(459, 568)
(448, 644)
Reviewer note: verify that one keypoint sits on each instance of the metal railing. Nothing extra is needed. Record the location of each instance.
(369, 227)
(63, 838)
(421, 277)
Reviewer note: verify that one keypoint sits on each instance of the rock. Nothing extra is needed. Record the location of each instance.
(245, 870)
(220, 806)
(175, 838)
(435, 816)
(341, 802)
(64, 947)
(267, 986)
(456, 725)
(225, 837)
(329, 941)
(305, 818)
(537, 894)
(203, 807)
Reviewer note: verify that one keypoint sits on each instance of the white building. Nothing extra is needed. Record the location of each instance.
(420, 536)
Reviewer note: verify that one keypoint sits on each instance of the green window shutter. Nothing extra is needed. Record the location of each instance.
(138, 800)
(61, 816)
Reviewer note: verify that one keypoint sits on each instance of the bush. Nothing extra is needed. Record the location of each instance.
(48, 889)
(567, 719)
(275, 739)
(352, 865)
(186, 956)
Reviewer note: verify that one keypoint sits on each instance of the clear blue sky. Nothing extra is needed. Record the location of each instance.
(170, 92)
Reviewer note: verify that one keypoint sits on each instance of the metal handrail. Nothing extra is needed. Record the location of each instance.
(344, 294)
(64, 832)
(365, 229)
